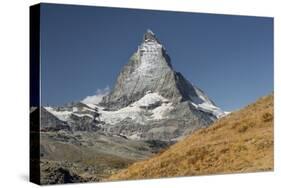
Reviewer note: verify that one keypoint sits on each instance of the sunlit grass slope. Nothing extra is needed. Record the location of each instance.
(239, 142)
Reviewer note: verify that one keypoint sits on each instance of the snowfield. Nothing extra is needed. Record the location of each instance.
(203, 103)
(151, 106)
(61, 115)
(138, 111)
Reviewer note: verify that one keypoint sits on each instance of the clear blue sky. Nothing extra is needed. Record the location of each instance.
(84, 48)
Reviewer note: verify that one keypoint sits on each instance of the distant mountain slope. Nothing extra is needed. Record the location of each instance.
(239, 142)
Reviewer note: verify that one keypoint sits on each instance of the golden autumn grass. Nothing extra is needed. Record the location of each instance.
(239, 142)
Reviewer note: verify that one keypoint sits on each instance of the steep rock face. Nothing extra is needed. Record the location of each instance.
(149, 69)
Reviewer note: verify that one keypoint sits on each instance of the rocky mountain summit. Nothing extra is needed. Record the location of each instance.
(150, 70)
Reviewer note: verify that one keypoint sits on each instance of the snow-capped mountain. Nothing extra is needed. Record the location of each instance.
(150, 69)
(150, 100)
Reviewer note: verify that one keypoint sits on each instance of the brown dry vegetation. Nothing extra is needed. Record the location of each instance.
(239, 142)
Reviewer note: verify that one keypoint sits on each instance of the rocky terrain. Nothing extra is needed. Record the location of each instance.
(239, 142)
(150, 107)
(90, 155)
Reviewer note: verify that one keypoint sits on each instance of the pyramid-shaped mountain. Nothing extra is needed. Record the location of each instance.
(150, 100)
(150, 70)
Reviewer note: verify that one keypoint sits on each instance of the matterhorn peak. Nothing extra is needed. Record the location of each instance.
(149, 36)
(150, 70)
(149, 101)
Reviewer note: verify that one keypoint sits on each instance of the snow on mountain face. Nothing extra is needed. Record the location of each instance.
(61, 115)
(154, 103)
(203, 103)
(209, 108)
(150, 107)
(150, 99)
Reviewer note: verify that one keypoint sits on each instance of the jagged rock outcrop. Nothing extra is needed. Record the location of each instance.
(74, 117)
(54, 172)
(50, 122)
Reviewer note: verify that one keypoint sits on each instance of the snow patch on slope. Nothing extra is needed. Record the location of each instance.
(159, 112)
(152, 106)
(83, 115)
(138, 111)
(64, 115)
(149, 99)
(203, 103)
(61, 115)
(113, 117)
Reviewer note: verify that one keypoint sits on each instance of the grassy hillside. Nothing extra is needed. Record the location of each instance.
(240, 142)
